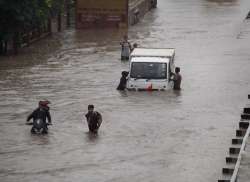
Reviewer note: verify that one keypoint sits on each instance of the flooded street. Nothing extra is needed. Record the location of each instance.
(145, 136)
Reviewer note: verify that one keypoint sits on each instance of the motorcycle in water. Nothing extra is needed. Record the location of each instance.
(39, 126)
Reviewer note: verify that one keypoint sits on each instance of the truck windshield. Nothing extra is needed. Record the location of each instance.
(148, 70)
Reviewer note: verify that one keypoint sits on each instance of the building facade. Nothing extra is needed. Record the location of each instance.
(110, 13)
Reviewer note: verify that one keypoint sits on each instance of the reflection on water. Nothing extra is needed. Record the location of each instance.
(39, 139)
(123, 93)
(177, 93)
(92, 137)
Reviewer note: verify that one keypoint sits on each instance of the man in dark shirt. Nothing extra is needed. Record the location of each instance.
(123, 81)
(126, 48)
(94, 119)
(177, 79)
(39, 116)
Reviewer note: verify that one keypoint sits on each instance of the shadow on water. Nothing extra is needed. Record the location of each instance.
(99, 36)
(177, 93)
(40, 139)
(35, 54)
(123, 93)
(244, 30)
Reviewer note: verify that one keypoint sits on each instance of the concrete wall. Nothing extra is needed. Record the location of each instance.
(102, 13)
(55, 24)
(137, 9)
(110, 13)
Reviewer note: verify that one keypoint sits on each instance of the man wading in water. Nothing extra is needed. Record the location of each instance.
(94, 119)
(39, 116)
(126, 48)
(123, 81)
(177, 79)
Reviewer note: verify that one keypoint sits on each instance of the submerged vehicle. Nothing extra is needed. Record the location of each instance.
(40, 116)
(151, 69)
(39, 127)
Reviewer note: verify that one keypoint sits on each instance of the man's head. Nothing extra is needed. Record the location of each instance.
(125, 73)
(90, 108)
(125, 37)
(177, 70)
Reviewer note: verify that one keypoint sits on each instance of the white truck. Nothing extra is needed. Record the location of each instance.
(151, 68)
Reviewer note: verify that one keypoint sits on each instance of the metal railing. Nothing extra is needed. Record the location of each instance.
(237, 165)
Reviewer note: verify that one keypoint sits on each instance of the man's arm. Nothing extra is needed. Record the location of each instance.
(48, 116)
(99, 118)
(30, 116)
(173, 77)
(87, 117)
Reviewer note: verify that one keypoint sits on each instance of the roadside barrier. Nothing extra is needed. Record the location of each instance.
(230, 172)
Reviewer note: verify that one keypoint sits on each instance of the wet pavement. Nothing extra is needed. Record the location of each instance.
(145, 136)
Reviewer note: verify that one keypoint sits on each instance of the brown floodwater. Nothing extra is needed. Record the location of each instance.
(145, 136)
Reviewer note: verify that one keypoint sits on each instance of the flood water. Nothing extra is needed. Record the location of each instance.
(145, 136)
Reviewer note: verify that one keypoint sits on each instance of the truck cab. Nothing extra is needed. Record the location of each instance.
(151, 68)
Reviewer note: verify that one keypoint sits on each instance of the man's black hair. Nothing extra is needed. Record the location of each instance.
(125, 73)
(90, 106)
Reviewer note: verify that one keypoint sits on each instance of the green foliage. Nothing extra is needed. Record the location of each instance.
(55, 6)
(18, 16)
